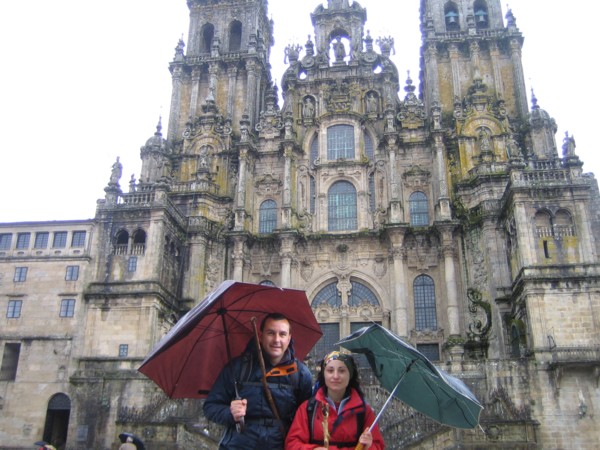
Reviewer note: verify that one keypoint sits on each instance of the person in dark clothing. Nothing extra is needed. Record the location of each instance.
(289, 381)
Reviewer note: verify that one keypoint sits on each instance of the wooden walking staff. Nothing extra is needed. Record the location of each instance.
(325, 411)
(268, 394)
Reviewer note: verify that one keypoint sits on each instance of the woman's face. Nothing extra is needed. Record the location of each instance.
(337, 376)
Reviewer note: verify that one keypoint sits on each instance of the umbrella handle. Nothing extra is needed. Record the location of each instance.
(240, 424)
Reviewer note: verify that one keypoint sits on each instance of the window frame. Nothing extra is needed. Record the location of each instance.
(418, 204)
(343, 215)
(132, 264)
(59, 239)
(67, 308)
(14, 308)
(267, 217)
(76, 238)
(20, 274)
(5, 241)
(23, 241)
(341, 142)
(44, 237)
(425, 304)
(72, 273)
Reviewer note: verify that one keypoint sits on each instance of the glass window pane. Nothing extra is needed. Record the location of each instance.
(60, 239)
(41, 239)
(5, 241)
(331, 334)
(132, 264)
(267, 217)
(14, 309)
(20, 274)
(23, 240)
(78, 239)
(329, 295)
(361, 294)
(340, 142)
(419, 209)
(342, 207)
(425, 309)
(431, 351)
(67, 308)
(10, 361)
(72, 273)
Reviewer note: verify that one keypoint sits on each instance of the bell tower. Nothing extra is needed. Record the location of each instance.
(467, 46)
(225, 67)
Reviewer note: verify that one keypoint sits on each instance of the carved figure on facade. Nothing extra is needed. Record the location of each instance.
(339, 50)
(308, 109)
(568, 146)
(372, 103)
(116, 173)
(386, 46)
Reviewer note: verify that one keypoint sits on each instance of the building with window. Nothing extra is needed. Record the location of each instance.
(450, 216)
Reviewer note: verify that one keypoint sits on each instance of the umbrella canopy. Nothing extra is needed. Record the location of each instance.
(419, 383)
(187, 361)
(136, 440)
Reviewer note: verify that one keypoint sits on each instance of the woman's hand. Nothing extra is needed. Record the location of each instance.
(238, 409)
(366, 439)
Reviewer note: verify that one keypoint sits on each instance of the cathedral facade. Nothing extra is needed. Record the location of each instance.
(448, 215)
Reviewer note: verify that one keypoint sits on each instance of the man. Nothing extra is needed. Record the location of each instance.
(289, 382)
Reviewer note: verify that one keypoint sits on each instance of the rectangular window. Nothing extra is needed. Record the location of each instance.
(20, 274)
(132, 264)
(431, 351)
(72, 273)
(123, 350)
(5, 241)
(10, 361)
(14, 309)
(60, 239)
(67, 307)
(331, 334)
(41, 239)
(340, 142)
(23, 241)
(78, 239)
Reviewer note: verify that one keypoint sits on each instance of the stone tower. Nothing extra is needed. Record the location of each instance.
(449, 216)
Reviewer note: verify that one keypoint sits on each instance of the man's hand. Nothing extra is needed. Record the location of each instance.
(238, 409)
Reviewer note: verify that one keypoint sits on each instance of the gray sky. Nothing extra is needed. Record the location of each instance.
(84, 82)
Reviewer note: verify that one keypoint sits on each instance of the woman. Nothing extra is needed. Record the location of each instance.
(337, 416)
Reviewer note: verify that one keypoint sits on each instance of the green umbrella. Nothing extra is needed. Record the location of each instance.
(412, 378)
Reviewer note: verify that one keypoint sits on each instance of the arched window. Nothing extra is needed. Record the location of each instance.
(235, 36)
(419, 209)
(451, 17)
(267, 217)
(361, 294)
(340, 142)
(342, 207)
(139, 242)
(328, 296)
(121, 242)
(425, 311)
(481, 14)
(208, 34)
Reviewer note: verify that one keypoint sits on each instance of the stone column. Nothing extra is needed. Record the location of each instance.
(173, 132)
(193, 286)
(238, 258)
(455, 64)
(287, 186)
(519, 78)
(232, 74)
(495, 56)
(251, 85)
(285, 255)
(194, 94)
(445, 212)
(448, 250)
(241, 191)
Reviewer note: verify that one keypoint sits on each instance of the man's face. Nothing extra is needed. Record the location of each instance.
(275, 339)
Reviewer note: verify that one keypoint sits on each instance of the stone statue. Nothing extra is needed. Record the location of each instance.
(339, 49)
(116, 172)
(371, 103)
(308, 109)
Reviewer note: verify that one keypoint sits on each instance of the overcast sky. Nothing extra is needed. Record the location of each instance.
(84, 82)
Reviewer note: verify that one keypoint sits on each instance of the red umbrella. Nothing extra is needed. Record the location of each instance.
(187, 361)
